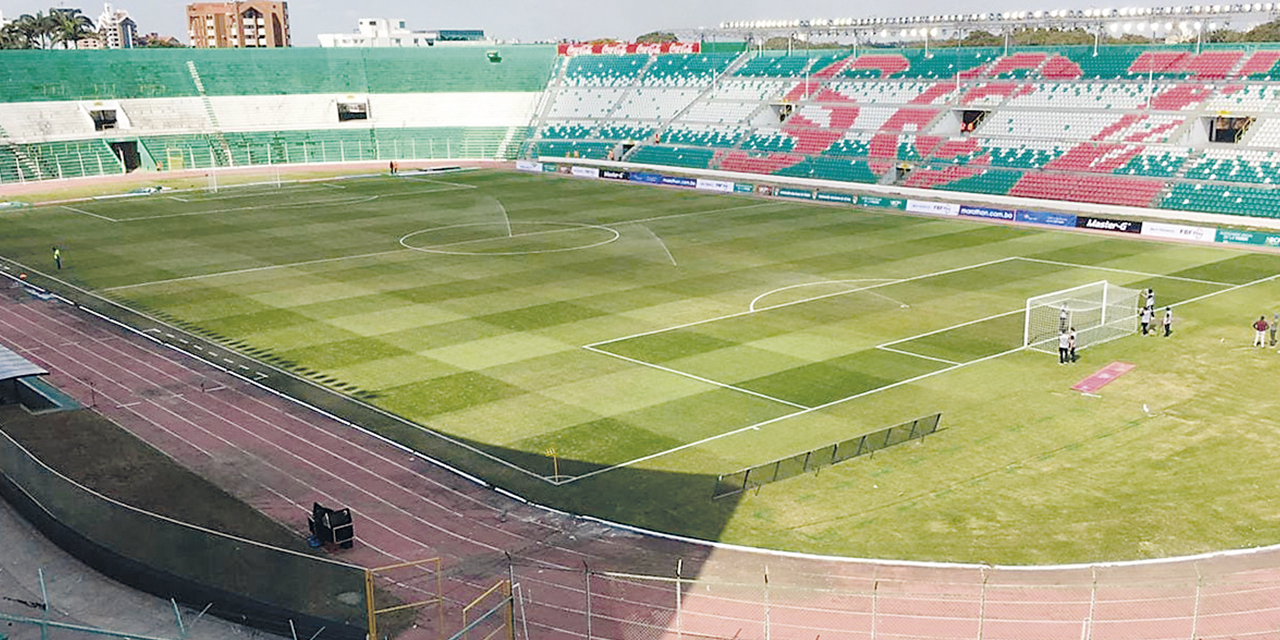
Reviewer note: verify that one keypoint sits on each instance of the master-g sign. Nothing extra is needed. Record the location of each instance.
(1109, 224)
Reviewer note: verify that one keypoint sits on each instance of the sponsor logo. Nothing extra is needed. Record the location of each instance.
(647, 178)
(742, 187)
(933, 208)
(585, 172)
(613, 175)
(1178, 232)
(618, 48)
(1047, 218)
(676, 181)
(795, 193)
(983, 212)
(715, 185)
(835, 197)
(1109, 224)
(525, 165)
(550, 168)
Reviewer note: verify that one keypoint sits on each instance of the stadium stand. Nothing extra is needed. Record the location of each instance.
(1127, 125)
(194, 108)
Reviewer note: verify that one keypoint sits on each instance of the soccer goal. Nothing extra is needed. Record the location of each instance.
(1099, 312)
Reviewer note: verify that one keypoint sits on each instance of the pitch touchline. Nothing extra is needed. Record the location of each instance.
(253, 269)
(915, 355)
(1114, 270)
(696, 377)
(697, 213)
(82, 211)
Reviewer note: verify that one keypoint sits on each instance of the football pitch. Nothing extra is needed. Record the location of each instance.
(611, 349)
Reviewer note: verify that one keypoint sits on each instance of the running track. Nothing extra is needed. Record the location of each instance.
(280, 457)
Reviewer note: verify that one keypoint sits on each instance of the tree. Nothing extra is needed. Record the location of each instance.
(658, 36)
(69, 27)
(12, 38)
(1269, 32)
(37, 29)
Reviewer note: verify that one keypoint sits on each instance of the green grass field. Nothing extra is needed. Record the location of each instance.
(610, 349)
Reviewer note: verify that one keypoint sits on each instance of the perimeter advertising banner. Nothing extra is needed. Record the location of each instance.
(743, 187)
(610, 174)
(1046, 218)
(835, 197)
(1236, 236)
(586, 172)
(714, 185)
(933, 208)
(1108, 224)
(550, 167)
(647, 178)
(677, 181)
(984, 212)
(526, 165)
(623, 48)
(793, 193)
(1179, 232)
(884, 203)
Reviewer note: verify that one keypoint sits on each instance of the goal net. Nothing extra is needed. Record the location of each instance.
(1099, 312)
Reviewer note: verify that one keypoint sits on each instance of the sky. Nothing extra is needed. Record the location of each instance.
(528, 20)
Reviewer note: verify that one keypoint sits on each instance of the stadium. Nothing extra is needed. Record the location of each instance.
(634, 341)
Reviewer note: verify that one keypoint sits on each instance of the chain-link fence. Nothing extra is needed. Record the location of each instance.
(281, 591)
(868, 602)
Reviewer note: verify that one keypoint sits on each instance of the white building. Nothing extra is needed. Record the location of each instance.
(381, 32)
(116, 28)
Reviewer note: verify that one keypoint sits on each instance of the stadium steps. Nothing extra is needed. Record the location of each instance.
(23, 167)
(221, 149)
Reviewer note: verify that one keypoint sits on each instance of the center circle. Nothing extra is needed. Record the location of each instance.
(510, 231)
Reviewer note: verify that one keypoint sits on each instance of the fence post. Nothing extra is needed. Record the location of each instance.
(875, 593)
(586, 575)
(982, 604)
(767, 631)
(679, 623)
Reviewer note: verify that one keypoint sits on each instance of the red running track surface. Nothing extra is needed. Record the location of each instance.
(280, 456)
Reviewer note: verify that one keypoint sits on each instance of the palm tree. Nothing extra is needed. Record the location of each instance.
(69, 27)
(37, 29)
(11, 38)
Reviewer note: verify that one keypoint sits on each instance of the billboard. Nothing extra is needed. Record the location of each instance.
(526, 165)
(1046, 218)
(585, 172)
(1179, 232)
(714, 185)
(623, 48)
(613, 175)
(647, 178)
(985, 212)
(677, 181)
(793, 193)
(1109, 224)
(878, 201)
(835, 197)
(933, 208)
(1236, 236)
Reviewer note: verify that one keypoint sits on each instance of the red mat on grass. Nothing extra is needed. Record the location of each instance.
(1102, 377)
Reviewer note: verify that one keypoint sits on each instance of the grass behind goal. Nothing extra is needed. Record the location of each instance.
(635, 342)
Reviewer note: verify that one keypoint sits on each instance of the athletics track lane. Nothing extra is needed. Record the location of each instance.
(280, 457)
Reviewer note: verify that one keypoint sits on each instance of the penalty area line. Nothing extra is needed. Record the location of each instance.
(696, 377)
(765, 423)
(88, 213)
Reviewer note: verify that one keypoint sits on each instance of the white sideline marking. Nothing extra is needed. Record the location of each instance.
(87, 213)
(752, 306)
(795, 302)
(770, 421)
(252, 270)
(458, 185)
(256, 207)
(697, 213)
(1127, 271)
(954, 326)
(916, 355)
(505, 216)
(696, 377)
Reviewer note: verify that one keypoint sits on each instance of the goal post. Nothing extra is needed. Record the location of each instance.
(1099, 312)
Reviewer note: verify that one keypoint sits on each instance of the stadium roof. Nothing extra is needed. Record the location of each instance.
(13, 365)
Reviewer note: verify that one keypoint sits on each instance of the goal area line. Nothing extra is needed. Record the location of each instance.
(888, 346)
